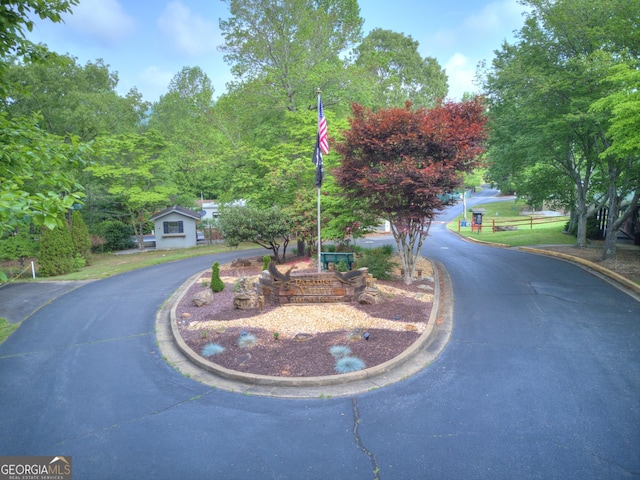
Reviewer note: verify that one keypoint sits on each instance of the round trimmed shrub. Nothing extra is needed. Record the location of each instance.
(349, 364)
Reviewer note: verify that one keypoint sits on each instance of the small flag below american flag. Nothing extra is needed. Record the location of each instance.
(317, 161)
(322, 128)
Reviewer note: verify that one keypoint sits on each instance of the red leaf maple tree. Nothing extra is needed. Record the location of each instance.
(403, 161)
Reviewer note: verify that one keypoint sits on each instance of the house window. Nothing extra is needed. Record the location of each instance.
(173, 227)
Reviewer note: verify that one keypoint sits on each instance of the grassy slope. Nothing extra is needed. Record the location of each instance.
(541, 234)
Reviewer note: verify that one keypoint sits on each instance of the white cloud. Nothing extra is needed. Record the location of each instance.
(154, 82)
(461, 71)
(103, 20)
(187, 33)
(493, 18)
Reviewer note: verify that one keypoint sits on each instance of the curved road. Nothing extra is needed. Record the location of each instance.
(540, 379)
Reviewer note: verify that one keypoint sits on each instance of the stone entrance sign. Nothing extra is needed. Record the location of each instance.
(326, 287)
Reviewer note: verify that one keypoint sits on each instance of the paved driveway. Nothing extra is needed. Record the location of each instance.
(540, 379)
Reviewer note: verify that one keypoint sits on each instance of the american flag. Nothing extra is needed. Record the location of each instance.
(322, 128)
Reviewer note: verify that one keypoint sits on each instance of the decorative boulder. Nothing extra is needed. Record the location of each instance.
(203, 297)
(241, 262)
(370, 296)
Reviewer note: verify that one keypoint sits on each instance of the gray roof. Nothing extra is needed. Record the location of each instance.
(176, 209)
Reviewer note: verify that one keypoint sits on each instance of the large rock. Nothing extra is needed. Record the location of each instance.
(203, 297)
(370, 296)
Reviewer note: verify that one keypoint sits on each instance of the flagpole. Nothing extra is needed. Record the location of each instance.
(318, 91)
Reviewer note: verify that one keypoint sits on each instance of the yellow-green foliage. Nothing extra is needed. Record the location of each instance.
(217, 285)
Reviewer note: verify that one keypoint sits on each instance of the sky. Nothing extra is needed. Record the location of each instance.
(148, 42)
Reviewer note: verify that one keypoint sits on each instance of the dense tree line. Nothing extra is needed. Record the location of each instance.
(565, 116)
(560, 100)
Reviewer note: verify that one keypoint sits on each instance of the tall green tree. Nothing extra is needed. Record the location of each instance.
(185, 118)
(132, 167)
(399, 71)
(73, 99)
(34, 186)
(541, 92)
(290, 47)
(622, 155)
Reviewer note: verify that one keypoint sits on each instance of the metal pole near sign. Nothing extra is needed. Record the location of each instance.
(319, 241)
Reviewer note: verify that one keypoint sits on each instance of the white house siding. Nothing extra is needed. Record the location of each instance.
(175, 240)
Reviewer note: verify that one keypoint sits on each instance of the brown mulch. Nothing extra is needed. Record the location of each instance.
(294, 341)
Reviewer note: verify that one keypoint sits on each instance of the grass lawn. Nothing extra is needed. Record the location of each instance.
(6, 328)
(107, 264)
(507, 213)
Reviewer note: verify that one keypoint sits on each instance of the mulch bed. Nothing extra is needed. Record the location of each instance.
(287, 356)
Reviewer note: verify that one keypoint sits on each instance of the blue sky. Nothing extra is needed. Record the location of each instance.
(148, 42)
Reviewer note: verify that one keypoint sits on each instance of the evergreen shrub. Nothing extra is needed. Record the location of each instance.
(217, 285)
(56, 252)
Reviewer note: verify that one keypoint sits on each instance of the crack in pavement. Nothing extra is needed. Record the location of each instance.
(356, 436)
(135, 419)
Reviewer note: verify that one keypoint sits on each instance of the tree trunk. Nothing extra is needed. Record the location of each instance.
(409, 240)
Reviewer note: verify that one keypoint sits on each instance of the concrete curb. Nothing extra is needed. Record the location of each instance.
(625, 282)
(419, 355)
(609, 275)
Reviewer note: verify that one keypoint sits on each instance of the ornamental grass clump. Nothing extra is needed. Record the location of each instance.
(349, 364)
(246, 340)
(339, 351)
(211, 349)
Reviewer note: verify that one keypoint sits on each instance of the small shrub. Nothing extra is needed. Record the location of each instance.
(276, 335)
(266, 260)
(211, 349)
(349, 364)
(342, 266)
(339, 351)
(116, 235)
(246, 340)
(217, 285)
(79, 261)
(203, 334)
(378, 261)
(387, 249)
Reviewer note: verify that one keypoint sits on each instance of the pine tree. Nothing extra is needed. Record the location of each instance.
(56, 252)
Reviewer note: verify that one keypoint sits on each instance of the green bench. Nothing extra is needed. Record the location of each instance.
(336, 257)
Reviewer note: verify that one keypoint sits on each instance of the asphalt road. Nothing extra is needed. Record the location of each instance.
(540, 379)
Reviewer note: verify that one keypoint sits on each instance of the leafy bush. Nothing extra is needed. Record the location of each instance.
(116, 235)
(217, 285)
(19, 246)
(349, 364)
(593, 229)
(387, 249)
(378, 261)
(56, 252)
(266, 260)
